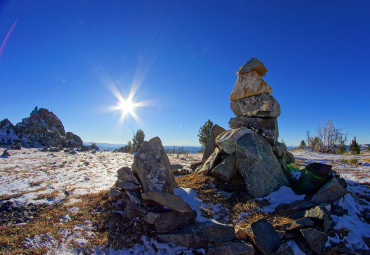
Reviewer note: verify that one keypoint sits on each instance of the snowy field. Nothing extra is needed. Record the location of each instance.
(65, 179)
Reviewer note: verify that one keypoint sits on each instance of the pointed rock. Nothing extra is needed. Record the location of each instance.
(227, 140)
(216, 130)
(316, 239)
(152, 166)
(254, 64)
(226, 169)
(330, 192)
(264, 236)
(211, 162)
(249, 84)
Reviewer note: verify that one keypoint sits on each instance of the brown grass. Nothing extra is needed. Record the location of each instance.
(7, 197)
(92, 207)
(48, 196)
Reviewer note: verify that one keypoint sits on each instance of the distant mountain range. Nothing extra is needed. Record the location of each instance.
(175, 148)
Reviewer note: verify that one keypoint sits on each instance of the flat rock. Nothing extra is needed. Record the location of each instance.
(114, 192)
(297, 224)
(133, 197)
(258, 165)
(266, 127)
(169, 200)
(316, 239)
(211, 162)
(232, 248)
(264, 236)
(227, 140)
(127, 185)
(330, 192)
(284, 249)
(132, 211)
(172, 221)
(226, 169)
(152, 166)
(200, 235)
(254, 64)
(249, 84)
(151, 217)
(262, 105)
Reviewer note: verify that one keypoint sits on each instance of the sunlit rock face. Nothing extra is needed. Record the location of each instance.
(42, 128)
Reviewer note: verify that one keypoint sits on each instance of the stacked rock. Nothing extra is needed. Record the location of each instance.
(251, 146)
(252, 103)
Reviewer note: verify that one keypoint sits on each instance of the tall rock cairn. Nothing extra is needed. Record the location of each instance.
(250, 147)
(252, 103)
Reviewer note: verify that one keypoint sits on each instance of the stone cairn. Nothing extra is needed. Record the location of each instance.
(251, 146)
(249, 151)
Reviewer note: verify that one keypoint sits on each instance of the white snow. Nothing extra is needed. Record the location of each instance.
(284, 195)
(358, 229)
(295, 248)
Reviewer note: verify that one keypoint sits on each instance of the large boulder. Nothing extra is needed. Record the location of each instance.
(8, 134)
(227, 140)
(226, 169)
(216, 130)
(153, 168)
(258, 165)
(249, 84)
(262, 105)
(330, 192)
(171, 201)
(200, 235)
(254, 64)
(266, 127)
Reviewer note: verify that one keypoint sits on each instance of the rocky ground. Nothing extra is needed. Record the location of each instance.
(56, 202)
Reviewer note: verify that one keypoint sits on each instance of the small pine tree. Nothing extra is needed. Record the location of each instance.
(205, 133)
(302, 145)
(354, 147)
(138, 140)
(128, 148)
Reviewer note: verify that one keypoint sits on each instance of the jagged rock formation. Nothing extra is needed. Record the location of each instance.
(42, 128)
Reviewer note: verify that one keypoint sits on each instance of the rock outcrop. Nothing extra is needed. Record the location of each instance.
(42, 128)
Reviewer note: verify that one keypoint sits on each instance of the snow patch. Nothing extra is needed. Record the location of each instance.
(284, 195)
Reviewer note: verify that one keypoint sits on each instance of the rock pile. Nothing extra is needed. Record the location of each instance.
(147, 192)
(42, 128)
(251, 146)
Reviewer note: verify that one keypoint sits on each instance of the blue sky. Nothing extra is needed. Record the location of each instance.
(62, 55)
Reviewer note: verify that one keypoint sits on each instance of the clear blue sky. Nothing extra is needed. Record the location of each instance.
(61, 55)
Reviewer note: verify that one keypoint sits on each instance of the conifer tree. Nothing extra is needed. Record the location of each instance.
(354, 147)
(138, 140)
(205, 133)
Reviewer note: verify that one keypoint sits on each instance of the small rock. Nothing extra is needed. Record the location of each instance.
(216, 130)
(232, 248)
(133, 197)
(125, 174)
(114, 192)
(284, 249)
(132, 211)
(171, 201)
(316, 239)
(200, 235)
(172, 221)
(330, 192)
(226, 169)
(301, 204)
(254, 64)
(297, 224)
(127, 185)
(194, 166)
(176, 166)
(151, 217)
(211, 162)
(264, 236)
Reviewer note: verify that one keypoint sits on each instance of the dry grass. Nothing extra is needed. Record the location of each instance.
(7, 197)
(33, 184)
(92, 207)
(49, 196)
(351, 161)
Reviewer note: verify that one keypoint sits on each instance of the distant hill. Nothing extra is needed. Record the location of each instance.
(175, 148)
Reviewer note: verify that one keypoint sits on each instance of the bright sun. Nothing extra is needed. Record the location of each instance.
(126, 106)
